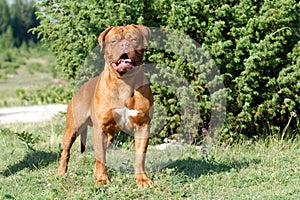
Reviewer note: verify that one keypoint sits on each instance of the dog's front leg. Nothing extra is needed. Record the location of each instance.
(141, 139)
(100, 142)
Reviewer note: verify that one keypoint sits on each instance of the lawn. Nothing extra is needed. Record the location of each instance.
(263, 169)
(257, 169)
(25, 69)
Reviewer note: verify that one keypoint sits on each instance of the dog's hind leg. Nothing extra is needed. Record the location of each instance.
(69, 137)
(110, 138)
(100, 143)
(83, 135)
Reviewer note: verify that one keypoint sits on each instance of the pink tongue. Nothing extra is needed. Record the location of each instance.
(122, 64)
(125, 60)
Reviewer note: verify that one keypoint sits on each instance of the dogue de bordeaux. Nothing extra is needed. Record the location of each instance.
(118, 99)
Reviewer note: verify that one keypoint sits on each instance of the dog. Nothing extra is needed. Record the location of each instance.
(118, 99)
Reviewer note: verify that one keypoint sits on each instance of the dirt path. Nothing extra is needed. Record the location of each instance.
(30, 113)
(10, 115)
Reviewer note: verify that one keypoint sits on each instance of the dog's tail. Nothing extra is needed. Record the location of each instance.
(83, 136)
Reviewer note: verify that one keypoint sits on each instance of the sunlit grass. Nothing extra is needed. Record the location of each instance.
(264, 169)
(30, 69)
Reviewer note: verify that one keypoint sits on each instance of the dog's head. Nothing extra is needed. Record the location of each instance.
(124, 46)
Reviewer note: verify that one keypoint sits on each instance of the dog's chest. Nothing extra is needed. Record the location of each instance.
(122, 117)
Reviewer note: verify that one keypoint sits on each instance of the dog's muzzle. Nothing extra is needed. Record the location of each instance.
(123, 64)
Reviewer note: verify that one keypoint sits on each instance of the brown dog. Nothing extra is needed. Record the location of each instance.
(119, 99)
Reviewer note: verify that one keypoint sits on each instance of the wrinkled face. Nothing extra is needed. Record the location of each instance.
(124, 46)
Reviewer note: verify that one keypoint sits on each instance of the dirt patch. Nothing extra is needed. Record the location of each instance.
(30, 113)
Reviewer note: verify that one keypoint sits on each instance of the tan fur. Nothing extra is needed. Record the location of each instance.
(96, 101)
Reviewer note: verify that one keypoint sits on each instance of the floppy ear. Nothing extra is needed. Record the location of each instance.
(145, 31)
(102, 36)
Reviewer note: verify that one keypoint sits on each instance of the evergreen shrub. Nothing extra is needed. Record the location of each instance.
(254, 44)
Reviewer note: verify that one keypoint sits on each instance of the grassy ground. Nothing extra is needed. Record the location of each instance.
(268, 169)
(28, 69)
(263, 169)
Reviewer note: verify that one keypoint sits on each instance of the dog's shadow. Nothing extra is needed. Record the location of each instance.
(33, 160)
(194, 168)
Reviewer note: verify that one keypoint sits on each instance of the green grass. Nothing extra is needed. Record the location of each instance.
(28, 69)
(263, 169)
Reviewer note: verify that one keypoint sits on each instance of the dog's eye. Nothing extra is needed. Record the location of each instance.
(113, 41)
(133, 39)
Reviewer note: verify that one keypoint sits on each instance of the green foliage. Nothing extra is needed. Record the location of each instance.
(7, 39)
(22, 14)
(76, 25)
(60, 94)
(25, 137)
(255, 45)
(11, 60)
(4, 16)
(19, 16)
(28, 68)
(34, 59)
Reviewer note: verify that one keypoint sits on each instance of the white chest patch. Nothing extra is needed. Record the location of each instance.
(124, 114)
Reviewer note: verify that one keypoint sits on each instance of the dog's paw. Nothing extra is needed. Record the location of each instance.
(142, 180)
(101, 182)
(61, 172)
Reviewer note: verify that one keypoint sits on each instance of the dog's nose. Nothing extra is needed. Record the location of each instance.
(124, 44)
